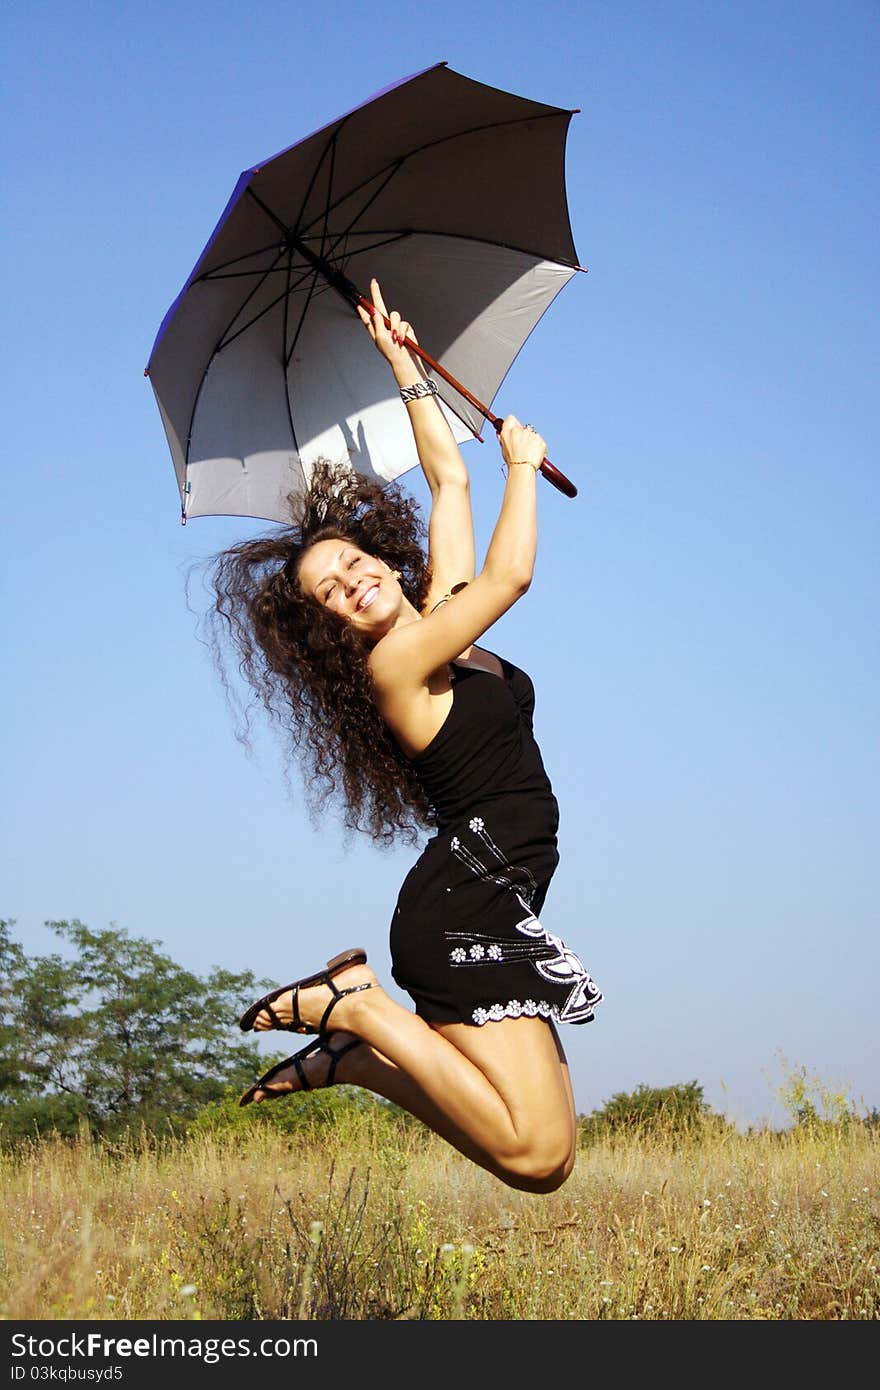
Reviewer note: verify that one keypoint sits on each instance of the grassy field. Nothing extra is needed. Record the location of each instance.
(365, 1218)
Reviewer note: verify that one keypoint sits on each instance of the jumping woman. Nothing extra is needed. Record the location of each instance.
(366, 648)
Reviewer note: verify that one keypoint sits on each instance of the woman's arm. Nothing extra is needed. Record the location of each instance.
(451, 528)
(402, 662)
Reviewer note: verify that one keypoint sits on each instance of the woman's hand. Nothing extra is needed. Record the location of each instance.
(390, 341)
(521, 443)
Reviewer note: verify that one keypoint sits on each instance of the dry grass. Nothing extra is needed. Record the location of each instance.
(348, 1222)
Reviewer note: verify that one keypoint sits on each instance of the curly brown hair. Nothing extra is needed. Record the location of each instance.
(307, 666)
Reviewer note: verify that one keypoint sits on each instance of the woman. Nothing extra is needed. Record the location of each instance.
(371, 653)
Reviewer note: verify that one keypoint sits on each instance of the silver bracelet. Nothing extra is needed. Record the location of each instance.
(428, 387)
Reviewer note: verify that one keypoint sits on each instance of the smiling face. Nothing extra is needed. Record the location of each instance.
(358, 588)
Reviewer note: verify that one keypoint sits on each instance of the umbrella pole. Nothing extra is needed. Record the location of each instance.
(549, 470)
(352, 294)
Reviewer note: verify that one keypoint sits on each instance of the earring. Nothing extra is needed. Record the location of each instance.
(396, 574)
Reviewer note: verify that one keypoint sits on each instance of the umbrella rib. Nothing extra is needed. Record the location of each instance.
(329, 194)
(284, 358)
(313, 180)
(268, 211)
(400, 160)
(339, 237)
(361, 250)
(394, 169)
(224, 341)
(480, 241)
(296, 336)
(224, 265)
(218, 348)
(288, 268)
(220, 341)
(240, 274)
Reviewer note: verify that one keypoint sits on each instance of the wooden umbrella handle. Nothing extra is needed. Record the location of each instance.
(548, 469)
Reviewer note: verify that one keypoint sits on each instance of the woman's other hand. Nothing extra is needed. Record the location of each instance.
(521, 443)
(390, 341)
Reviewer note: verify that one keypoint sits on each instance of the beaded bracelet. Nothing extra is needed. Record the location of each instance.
(428, 387)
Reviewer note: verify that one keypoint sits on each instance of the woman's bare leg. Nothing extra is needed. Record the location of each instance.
(499, 1093)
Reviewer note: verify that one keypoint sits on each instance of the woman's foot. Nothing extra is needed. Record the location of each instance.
(314, 1067)
(314, 1001)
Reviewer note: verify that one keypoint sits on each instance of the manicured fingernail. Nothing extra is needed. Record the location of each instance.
(394, 335)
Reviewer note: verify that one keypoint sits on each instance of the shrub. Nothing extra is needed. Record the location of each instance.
(660, 1111)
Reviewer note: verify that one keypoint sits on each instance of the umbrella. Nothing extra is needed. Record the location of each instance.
(452, 194)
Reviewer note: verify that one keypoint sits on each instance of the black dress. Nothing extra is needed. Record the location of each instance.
(466, 942)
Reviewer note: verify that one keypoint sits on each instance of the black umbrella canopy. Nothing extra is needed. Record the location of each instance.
(452, 193)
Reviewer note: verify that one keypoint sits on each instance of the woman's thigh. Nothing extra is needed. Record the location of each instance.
(524, 1061)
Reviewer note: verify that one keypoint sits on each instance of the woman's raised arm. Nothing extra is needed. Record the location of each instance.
(451, 527)
(408, 655)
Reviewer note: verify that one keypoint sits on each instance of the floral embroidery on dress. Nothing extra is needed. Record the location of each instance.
(503, 875)
(548, 954)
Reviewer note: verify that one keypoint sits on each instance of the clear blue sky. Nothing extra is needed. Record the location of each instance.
(703, 624)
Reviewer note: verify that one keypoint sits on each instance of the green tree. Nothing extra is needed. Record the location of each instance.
(670, 1111)
(12, 1061)
(119, 1032)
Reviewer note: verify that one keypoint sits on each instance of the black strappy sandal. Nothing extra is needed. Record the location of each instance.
(356, 955)
(296, 1061)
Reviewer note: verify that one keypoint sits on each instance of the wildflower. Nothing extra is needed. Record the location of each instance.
(188, 1290)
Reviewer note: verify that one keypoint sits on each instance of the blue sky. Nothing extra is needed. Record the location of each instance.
(702, 627)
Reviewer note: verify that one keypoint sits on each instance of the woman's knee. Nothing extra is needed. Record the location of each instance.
(542, 1166)
(539, 1182)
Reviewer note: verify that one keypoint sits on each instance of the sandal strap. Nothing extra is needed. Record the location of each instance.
(337, 995)
(335, 1056)
(296, 1061)
(296, 1024)
(304, 1082)
(355, 955)
(276, 1021)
